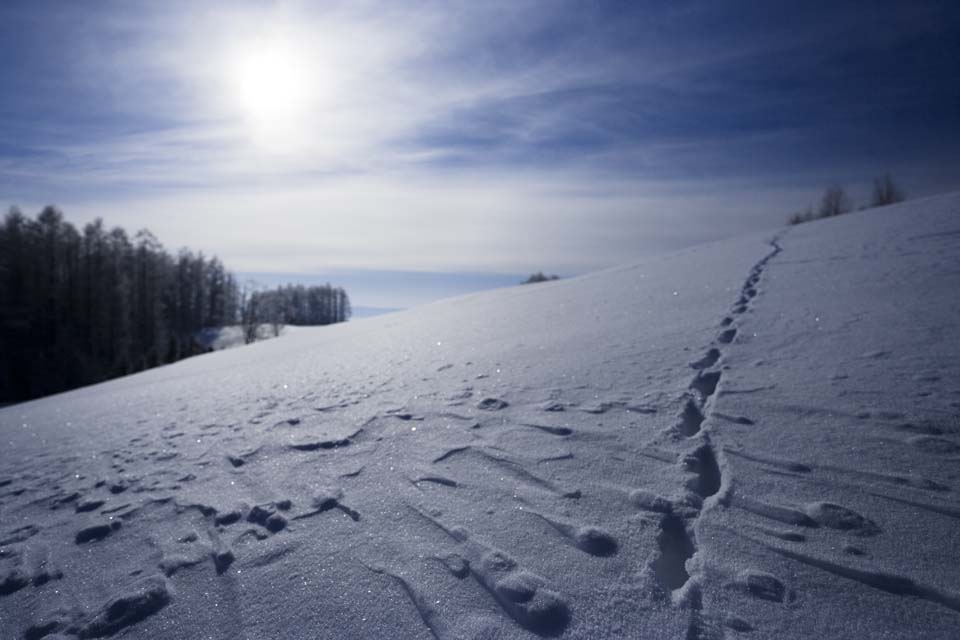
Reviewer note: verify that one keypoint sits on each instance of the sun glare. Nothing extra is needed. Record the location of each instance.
(274, 89)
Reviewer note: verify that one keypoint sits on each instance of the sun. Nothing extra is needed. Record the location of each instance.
(273, 88)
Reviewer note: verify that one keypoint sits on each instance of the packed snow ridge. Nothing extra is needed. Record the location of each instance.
(757, 437)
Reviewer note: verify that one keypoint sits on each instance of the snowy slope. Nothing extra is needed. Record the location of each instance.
(755, 437)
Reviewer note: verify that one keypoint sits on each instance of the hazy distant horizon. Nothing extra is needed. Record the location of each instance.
(380, 291)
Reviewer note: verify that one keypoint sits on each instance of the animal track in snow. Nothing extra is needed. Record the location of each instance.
(34, 566)
(523, 595)
(690, 419)
(676, 541)
(268, 516)
(707, 478)
(12, 581)
(96, 532)
(427, 611)
(835, 516)
(134, 604)
(587, 538)
(649, 501)
(706, 383)
(884, 581)
(727, 336)
(492, 404)
(708, 360)
(675, 546)
(786, 515)
(760, 584)
(141, 600)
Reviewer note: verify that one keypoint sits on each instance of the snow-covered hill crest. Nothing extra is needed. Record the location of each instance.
(758, 436)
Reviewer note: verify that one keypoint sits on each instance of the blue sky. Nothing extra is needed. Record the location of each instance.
(375, 140)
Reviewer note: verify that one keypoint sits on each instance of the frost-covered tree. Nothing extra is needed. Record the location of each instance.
(301, 305)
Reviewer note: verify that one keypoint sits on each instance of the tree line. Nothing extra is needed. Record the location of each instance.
(293, 304)
(540, 276)
(82, 306)
(835, 201)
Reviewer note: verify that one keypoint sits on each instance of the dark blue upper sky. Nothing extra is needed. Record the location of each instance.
(294, 137)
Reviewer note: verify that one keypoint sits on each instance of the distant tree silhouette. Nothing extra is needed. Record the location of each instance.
(539, 276)
(801, 216)
(834, 202)
(885, 192)
(301, 305)
(249, 311)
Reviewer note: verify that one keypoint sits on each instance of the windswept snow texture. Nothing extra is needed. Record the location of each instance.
(756, 437)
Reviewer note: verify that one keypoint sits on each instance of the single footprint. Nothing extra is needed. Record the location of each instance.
(708, 360)
(726, 337)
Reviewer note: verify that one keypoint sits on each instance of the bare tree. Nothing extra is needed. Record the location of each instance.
(885, 192)
(250, 311)
(801, 216)
(834, 202)
(275, 311)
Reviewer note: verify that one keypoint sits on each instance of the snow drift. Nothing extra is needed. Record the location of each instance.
(757, 436)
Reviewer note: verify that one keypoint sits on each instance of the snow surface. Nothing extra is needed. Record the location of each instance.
(757, 437)
(231, 336)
